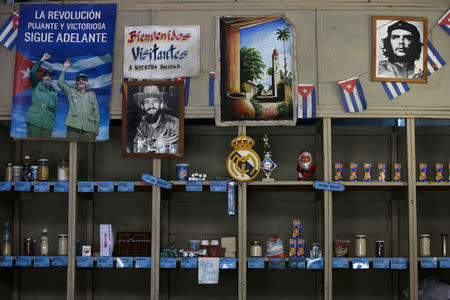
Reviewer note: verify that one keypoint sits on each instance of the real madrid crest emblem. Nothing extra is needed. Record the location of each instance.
(243, 164)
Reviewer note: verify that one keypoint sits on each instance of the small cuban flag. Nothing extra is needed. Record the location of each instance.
(352, 95)
(9, 30)
(307, 105)
(435, 61)
(212, 78)
(187, 81)
(395, 89)
(444, 22)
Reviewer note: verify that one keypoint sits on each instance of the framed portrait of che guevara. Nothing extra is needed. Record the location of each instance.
(399, 49)
(153, 119)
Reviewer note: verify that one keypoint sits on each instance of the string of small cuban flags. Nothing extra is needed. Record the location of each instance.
(352, 94)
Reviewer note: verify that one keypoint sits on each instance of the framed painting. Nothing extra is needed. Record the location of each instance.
(153, 119)
(399, 49)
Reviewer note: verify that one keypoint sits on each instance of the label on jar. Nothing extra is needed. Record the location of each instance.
(43, 173)
(63, 174)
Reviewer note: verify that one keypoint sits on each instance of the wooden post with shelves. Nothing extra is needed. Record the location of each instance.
(412, 209)
(156, 238)
(72, 215)
(242, 234)
(328, 212)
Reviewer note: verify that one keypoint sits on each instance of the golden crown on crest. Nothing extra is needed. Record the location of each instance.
(242, 141)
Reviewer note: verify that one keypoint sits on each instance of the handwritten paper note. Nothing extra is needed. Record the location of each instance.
(208, 270)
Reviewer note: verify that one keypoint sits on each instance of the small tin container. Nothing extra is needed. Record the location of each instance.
(397, 172)
(353, 172)
(382, 172)
(439, 172)
(292, 248)
(182, 172)
(423, 172)
(301, 248)
(367, 172)
(17, 173)
(34, 173)
(338, 171)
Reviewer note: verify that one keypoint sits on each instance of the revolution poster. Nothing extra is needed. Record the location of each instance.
(63, 72)
(161, 52)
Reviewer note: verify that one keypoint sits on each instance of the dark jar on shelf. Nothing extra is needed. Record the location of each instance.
(28, 248)
(379, 249)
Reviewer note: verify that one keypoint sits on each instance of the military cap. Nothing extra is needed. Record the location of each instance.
(49, 72)
(81, 75)
(405, 26)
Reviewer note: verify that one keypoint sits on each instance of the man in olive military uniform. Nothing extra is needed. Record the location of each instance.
(157, 132)
(83, 118)
(44, 99)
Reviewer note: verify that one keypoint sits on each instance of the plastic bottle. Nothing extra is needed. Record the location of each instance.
(27, 169)
(44, 242)
(6, 241)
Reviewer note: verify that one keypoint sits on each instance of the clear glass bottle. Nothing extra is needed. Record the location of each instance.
(425, 245)
(63, 170)
(360, 245)
(6, 241)
(444, 238)
(43, 169)
(62, 244)
(44, 242)
(27, 168)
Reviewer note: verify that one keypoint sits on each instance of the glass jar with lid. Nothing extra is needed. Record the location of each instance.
(360, 245)
(62, 244)
(425, 245)
(63, 170)
(255, 249)
(43, 169)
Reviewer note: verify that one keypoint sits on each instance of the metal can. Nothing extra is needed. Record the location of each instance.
(17, 173)
(28, 249)
(43, 169)
(182, 172)
(34, 173)
(9, 174)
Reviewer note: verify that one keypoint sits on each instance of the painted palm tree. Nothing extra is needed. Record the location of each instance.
(283, 35)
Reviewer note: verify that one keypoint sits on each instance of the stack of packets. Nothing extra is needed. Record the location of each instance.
(229, 243)
(354, 168)
(275, 247)
(423, 172)
(296, 244)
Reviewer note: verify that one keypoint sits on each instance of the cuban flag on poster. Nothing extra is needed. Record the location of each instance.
(187, 81)
(307, 105)
(212, 78)
(9, 30)
(395, 89)
(435, 61)
(352, 95)
(444, 22)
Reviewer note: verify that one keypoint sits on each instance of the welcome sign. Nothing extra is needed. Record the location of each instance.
(159, 52)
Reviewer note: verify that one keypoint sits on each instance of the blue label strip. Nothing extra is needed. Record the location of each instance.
(125, 186)
(218, 186)
(59, 261)
(277, 263)
(156, 181)
(194, 186)
(340, 263)
(428, 262)
(23, 261)
(5, 186)
(227, 263)
(61, 187)
(314, 263)
(168, 262)
(188, 263)
(399, 263)
(329, 186)
(85, 186)
(105, 262)
(143, 263)
(42, 187)
(297, 263)
(124, 262)
(23, 186)
(444, 262)
(105, 186)
(6, 261)
(360, 263)
(381, 263)
(256, 263)
(41, 262)
(85, 261)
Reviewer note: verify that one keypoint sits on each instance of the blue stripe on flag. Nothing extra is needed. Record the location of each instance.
(352, 98)
(435, 61)
(395, 89)
(304, 108)
(313, 97)
(362, 99)
(388, 91)
(187, 83)
(8, 36)
(211, 90)
(344, 99)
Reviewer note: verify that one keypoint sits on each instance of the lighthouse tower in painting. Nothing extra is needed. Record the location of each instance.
(276, 77)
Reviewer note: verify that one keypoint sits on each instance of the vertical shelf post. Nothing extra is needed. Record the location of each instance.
(328, 212)
(412, 209)
(242, 234)
(156, 232)
(72, 216)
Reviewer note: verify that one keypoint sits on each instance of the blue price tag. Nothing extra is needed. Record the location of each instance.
(61, 187)
(59, 261)
(105, 262)
(194, 186)
(5, 186)
(41, 262)
(125, 186)
(6, 261)
(168, 263)
(85, 261)
(105, 186)
(22, 186)
(381, 263)
(42, 187)
(297, 263)
(428, 262)
(277, 263)
(340, 263)
(23, 261)
(143, 263)
(188, 263)
(218, 186)
(360, 263)
(329, 186)
(444, 262)
(399, 263)
(256, 263)
(314, 263)
(124, 262)
(227, 263)
(86, 186)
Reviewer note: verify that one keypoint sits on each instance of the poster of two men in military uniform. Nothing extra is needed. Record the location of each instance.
(63, 75)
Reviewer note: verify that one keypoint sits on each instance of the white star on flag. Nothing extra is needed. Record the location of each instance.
(26, 73)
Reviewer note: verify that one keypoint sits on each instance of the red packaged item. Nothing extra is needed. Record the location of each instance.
(275, 247)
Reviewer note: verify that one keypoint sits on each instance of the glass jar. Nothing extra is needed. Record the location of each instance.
(28, 249)
(361, 245)
(379, 249)
(43, 169)
(63, 170)
(9, 175)
(62, 244)
(44, 242)
(255, 249)
(444, 238)
(425, 245)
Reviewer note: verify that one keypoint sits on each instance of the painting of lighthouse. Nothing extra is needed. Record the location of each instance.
(256, 71)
